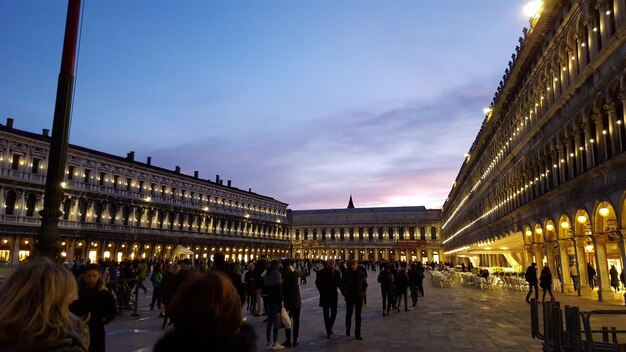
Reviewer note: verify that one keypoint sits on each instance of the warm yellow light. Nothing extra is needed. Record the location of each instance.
(528, 233)
(604, 212)
(532, 9)
(589, 247)
(63, 184)
(549, 227)
(486, 110)
(565, 225)
(581, 219)
(538, 231)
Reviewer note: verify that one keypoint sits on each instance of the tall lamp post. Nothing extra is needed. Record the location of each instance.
(47, 242)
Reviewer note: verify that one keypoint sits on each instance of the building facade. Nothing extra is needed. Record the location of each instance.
(545, 179)
(120, 208)
(392, 233)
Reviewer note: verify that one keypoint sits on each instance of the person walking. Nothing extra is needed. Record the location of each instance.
(614, 278)
(352, 284)
(420, 278)
(385, 278)
(401, 287)
(414, 279)
(293, 302)
(531, 278)
(573, 272)
(96, 304)
(591, 276)
(327, 283)
(275, 300)
(156, 278)
(545, 281)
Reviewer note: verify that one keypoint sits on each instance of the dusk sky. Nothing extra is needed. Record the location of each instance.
(303, 101)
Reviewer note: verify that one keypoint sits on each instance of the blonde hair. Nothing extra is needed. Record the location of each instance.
(34, 303)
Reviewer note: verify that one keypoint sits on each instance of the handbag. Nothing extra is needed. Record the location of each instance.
(284, 318)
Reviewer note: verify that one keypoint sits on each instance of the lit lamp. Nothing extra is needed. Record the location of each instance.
(589, 247)
(538, 231)
(565, 225)
(581, 219)
(604, 212)
(528, 233)
(549, 227)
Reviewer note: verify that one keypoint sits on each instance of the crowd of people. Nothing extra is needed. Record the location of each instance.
(45, 306)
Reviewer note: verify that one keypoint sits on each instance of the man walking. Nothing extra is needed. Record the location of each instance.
(531, 278)
(353, 283)
(327, 282)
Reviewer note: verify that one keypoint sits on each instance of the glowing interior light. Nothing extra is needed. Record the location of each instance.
(604, 212)
(581, 219)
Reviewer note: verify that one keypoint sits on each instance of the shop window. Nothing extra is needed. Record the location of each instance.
(5, 255)
(23, 255)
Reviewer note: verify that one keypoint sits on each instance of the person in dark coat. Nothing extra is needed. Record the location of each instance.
(614, 278)
(420, 282)
(274, 302)
(402, 285)
(95, 303)
(293, 302)
(327, 283)
(545, 281)
(414, 279)
(531, 278)
(219, 263)
(206, 313)
(591, 275)
(363, 270)
(385, 278)
(169, 285)
(352, 284)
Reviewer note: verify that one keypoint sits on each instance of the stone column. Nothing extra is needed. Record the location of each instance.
(567, 284)
(602, 269)
(15, 253)
(599, 137)
(604, 23)
(70, 251)
(589, 147)
(582, 264)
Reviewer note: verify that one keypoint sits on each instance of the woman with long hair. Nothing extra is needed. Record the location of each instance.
(34, 309)
(206, 313)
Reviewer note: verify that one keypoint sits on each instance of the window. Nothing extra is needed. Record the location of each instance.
(10, 203)
(152, 188)
(15, 162)
(433, 233)
(102, 177)
(116, 180)
(163, 188)
(129, 181)
(87, 176)
(35, 168)
(141, 186)
(70, 173)
(67, 206)
(31, 200)
(422, 233)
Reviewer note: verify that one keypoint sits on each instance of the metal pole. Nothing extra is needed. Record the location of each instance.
(47, 243)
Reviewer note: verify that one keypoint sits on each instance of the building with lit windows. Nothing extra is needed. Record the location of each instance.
(120, 208)
(389, 233)
(545, 179)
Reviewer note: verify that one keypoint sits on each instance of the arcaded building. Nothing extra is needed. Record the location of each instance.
(545, 178)
(118, 207)
(385, 233)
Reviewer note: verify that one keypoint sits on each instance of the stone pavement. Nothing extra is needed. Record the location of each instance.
(446, 319)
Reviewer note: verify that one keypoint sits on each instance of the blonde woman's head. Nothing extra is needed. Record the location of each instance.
(34, 303)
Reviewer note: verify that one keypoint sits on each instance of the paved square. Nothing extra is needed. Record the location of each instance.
(446, 319)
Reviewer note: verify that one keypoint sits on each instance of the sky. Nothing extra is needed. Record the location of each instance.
(307, 102)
